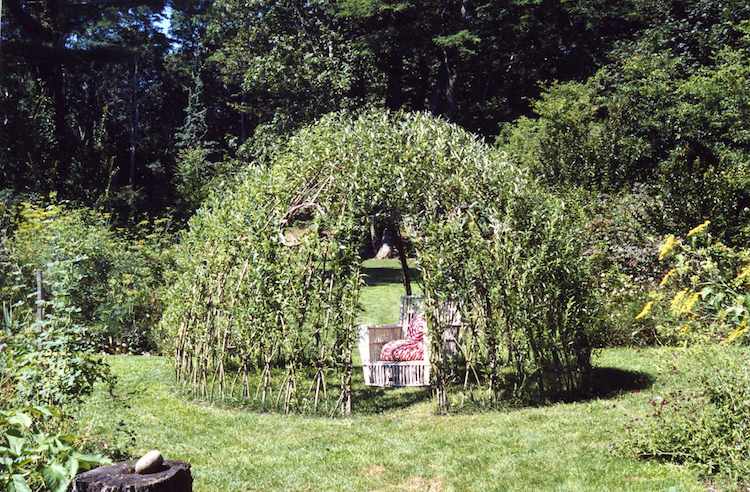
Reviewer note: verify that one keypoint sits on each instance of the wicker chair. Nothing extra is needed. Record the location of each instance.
(389, 374)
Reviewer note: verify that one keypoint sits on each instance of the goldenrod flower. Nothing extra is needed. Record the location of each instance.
(667, 277)
(691, 301)
(676, 304)
(698, 229)
(666, 248)
(683, 302)
(741, 330)
(646, 310)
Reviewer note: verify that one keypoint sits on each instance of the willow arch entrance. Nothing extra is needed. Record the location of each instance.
(266, 303)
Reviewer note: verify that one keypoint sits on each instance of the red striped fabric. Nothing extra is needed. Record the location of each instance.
(409, 349)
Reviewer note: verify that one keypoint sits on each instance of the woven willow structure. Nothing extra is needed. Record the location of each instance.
(266, 303)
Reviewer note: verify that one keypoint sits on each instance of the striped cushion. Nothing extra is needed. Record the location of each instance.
(409, 349)
(417, 326)
(402, 350)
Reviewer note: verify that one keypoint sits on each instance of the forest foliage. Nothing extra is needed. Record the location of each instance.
(108, 105)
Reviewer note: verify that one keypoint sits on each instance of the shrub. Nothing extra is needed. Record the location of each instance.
(704, 295)
(620, 245)
(706, 425)
(35, 459)
(524, 294)
(44, 368)
(51, 362)
(54, 364)
(193, 172)
(650, 127)
(109, 279)
(656, 120)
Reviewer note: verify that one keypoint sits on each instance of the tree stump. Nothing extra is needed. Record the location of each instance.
(173, 477)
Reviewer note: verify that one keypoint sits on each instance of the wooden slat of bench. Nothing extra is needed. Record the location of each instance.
(397, 374)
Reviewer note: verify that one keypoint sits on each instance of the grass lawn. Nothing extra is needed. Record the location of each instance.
(382, 295)
(404, 447)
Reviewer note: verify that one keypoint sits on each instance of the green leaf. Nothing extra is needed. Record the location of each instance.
(18, 484)
(56, 477)
(88, 461)
(20, 419)
(46, 411)
(15, 444)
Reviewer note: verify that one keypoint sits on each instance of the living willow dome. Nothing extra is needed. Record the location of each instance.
(266, 303)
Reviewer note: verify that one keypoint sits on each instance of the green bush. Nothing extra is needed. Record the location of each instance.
(620, 244)
(33, 458)
(193, 174)
(706, 425)
(44, 368)
(659, 143)
(53, 363)
(109, 279)
(49, 362)
(656, 120)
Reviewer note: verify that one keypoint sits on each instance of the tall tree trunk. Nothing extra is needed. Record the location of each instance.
(133, 124)
(402, 257)
(421, 94)
(54, 78)
(55, 81)
(134, 134)
(443, 97)
(243, 120)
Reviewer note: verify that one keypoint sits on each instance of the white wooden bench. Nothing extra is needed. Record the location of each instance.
(389, 374)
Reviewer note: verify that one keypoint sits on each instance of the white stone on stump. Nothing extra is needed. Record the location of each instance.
(157, 475)
(149, 463)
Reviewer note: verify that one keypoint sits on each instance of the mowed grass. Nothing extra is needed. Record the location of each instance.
(381, 296)
(405, 447)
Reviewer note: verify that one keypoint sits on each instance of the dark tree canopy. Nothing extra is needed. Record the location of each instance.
(96, 95)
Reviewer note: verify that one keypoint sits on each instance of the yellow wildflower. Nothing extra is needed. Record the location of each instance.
(691, 301)
(741, 330)
(667, 277)
(684, 302)
(684, 328)
(666, 248)
(698, 229)
(677, 301)
(646, 310)
(744, 274)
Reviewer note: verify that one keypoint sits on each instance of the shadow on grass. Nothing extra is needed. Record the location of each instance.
(382, 276)
(368, 400)
(607, 382)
